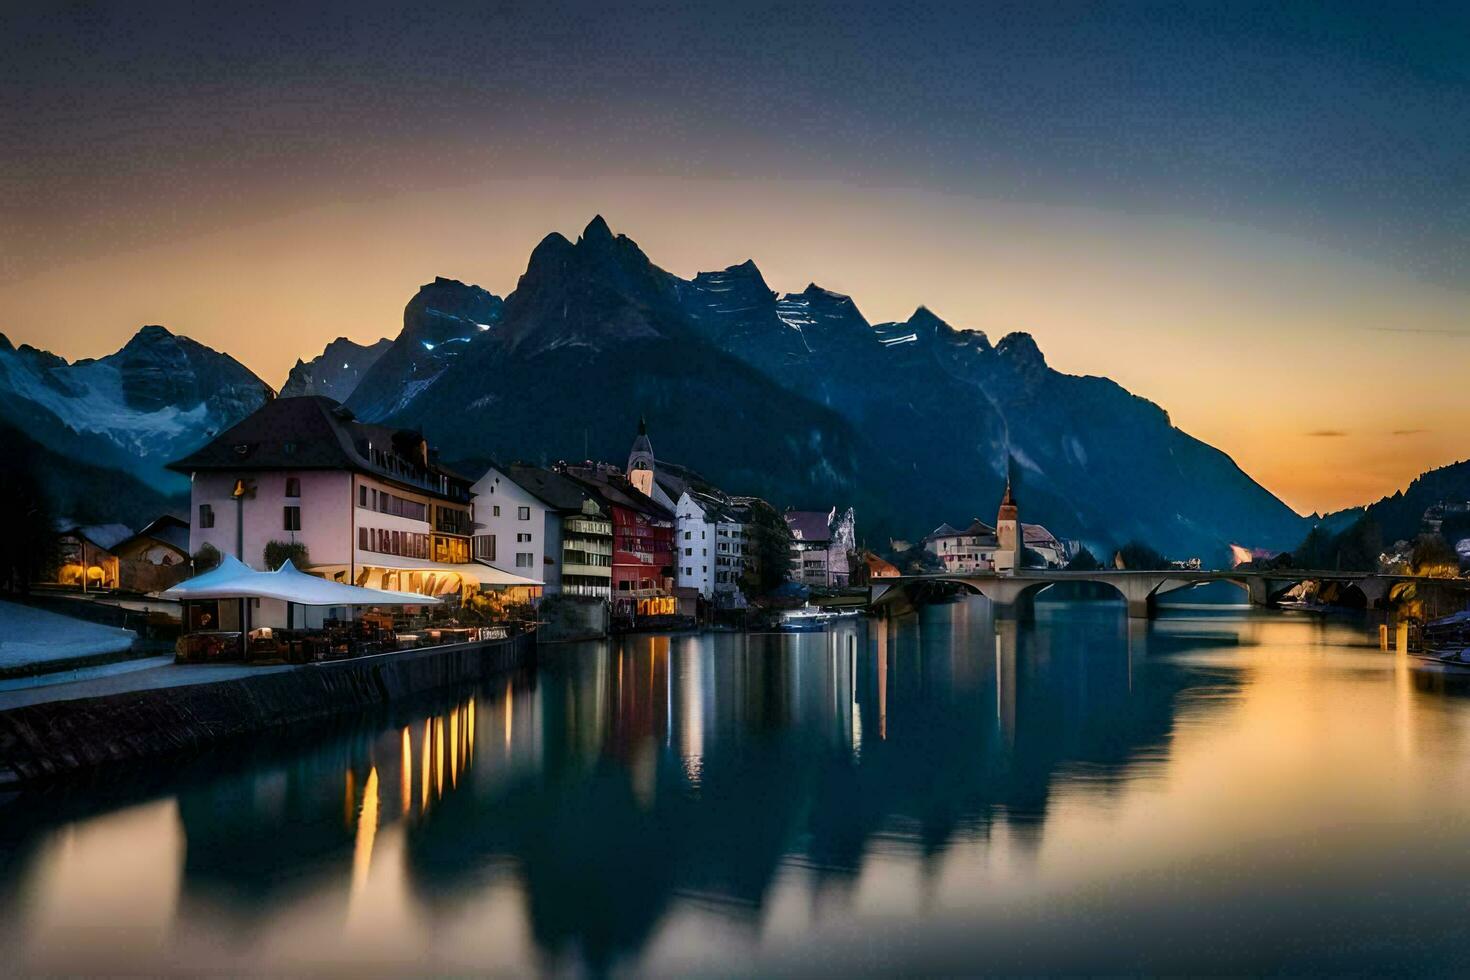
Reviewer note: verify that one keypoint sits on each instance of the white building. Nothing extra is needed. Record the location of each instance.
(730, 555)
(695, 542)
(970, 550)
(510, 525)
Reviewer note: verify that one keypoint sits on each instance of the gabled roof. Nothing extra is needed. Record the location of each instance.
(614, 489)
(313, 432)
(1036, 534)
(104, 536)
(168, 530)
(977, 529)
(556, 491)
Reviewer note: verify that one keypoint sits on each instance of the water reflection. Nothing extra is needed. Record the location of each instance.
(673, 802)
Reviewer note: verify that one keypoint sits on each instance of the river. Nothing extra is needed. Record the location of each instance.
(1216, 791)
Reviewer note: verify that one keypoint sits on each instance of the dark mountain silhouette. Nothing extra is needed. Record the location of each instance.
(799, 398)
(158, 398)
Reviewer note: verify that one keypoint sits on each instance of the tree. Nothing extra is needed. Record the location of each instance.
(769, 540)
(1354, 549)
(1084, 561)
(205, 558)
(1359, 547)
(277, 553)
(1137, 556)
(28, 538)
(1433, 557)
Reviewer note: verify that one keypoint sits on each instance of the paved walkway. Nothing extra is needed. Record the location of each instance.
(121, 678)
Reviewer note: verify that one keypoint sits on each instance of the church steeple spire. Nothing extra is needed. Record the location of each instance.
(640, 459)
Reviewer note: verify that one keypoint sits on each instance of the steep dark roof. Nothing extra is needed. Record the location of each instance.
(104, 536)
(614, 489)
(313, 432)
(168, 530)
(977, 528)
(552, 489)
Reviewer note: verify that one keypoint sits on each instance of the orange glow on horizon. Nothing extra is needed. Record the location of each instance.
(1307, 337)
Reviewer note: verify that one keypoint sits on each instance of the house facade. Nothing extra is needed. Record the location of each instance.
(371, 505)
(510, 525)
(821, 542)
(643, 534)
(1009, 545)
(578, 533)
(696, 533)
(970, 550)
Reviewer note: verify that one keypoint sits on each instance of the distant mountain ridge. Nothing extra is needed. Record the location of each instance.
(800, 398)
(796, 397)
(336, 371)
(440, 319)
(1400, 515)
(133, 411)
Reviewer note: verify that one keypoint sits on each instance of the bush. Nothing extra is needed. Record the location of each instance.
(1084, 561)
(205, 558)
(277, 553)
(1137, 556)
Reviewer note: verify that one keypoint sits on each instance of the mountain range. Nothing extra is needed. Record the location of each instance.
(113, 423)
(799, 398)
(796, 397)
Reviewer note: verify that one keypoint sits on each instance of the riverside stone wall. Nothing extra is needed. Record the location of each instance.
(59, 737)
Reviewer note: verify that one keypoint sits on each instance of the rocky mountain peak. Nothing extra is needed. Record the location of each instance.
(1020, 349)
(597, 230)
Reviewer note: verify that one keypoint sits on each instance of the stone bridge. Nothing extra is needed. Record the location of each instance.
(1012, 595)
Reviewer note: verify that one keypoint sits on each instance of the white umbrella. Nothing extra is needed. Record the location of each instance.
(233, 579)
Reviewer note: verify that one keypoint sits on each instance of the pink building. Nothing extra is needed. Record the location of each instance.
(371, 504)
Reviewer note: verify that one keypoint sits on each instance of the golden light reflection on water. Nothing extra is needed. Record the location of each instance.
(998, 782)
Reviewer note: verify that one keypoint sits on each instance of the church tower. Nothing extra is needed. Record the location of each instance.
(1008, 533)
(640, 460)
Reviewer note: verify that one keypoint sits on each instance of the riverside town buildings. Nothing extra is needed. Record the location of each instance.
(576, 531)
(372, 505)
(982, 548)
(820, 545)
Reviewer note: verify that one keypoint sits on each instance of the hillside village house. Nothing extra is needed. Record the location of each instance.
(820, 544)
(983, 548)
(573, 533)
(643, 539)
(371, 504)
(156, 557)
(969, 550)
(86, 556)
(112, 557)
(709, 526)
(510, 525)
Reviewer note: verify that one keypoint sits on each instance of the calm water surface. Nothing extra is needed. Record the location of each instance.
(1215, 791)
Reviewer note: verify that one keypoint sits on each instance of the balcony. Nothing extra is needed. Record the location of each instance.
(589, 571)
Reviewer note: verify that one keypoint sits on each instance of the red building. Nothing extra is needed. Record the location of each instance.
(643, 538)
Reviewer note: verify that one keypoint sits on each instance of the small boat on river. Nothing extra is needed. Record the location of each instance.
(1446, 643)
(811, 619)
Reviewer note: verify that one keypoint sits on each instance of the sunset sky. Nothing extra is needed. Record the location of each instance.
(1256, 216)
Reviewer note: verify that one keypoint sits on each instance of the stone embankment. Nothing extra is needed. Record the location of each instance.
(55, 738)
